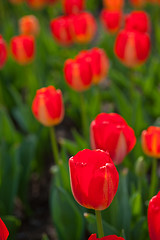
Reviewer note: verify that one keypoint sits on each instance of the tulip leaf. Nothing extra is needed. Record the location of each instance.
(138, 229)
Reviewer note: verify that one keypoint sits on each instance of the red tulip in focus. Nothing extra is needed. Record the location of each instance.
(29, 25)
(61, 29)
(111, 20)
(94, 178)
(36, 4)
(132, 47)
(3, 231)
(3, 52)
(114, 5)
(48, 107)
(151, 141)
(23, 48)
(154, 217)
(84, 27)
(138, 3)
(99, 63)
(110, 132)
(78, 74)
(137, 21)
(110, 237)
(73, 6)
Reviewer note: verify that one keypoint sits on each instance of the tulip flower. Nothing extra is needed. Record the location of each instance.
(132, 47)
(3, 52)
(78, 74)
(137, 21)
(110, 237)
(110, 132)
(3, 231)
(114, 5)
(94, 178)
(29, 25)
(111, 20)
(61, 30)
(36, 4)
(154, 217)
(84, 27)
(47, 106)
(138, 3)
(23, 48)
(73, 6)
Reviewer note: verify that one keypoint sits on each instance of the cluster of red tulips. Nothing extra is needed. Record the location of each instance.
(36, 4)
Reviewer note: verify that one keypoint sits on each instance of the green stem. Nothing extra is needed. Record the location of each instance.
(84, 117)
(153, 184)
(54, 145)
(99, 224)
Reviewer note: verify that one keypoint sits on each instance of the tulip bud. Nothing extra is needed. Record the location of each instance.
(36, 4)
(138, 3)
(114, 5)
(110, 132)
(23, 48)
(3, 231)
(3, 52)
(154, 217)
(140, 167)
(150, 139)
(78, 74)
(73, 6)
(110, 237)
(61, 30)
(132, 48)
(84, 27)
(137, 21)
(111, 20)
(47, 106)
(94, 179)
(29, 25)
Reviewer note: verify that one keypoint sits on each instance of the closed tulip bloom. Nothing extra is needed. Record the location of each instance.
(29, 25)
(84, 27)
(111, 20)
(23, 49)
(114, 5)
(138, 3)
(36, 4)
(137, 21)
(78, 74)
(61, 30)
(3, 231)
(73, 6)
(132, 47)
(48, 107)
(110, 237)
(110, 132)
(3, 52)
(94, 179)
(151, 141)
(154, 217)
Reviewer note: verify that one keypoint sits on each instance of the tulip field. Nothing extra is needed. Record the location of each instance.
(80, 119)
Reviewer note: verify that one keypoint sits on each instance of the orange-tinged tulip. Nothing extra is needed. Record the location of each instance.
(73, 6)
(36, 4)
(29, 25)
(3, 52)
(23, 48)
(138, 3)
(84, 27)
(151, 141)
(132, 47)
(114, 5)
(78, 74)
(3, 231)
(111, 20)
(48, 107)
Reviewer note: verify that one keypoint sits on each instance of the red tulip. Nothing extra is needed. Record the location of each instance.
(99, 63)
(78, 74)
(110, 237)
(23, 48)
(94, 178)
(3, 52)
(61, 29)
(154, 217)
(151, 141)
(84, 27)
(36, 4)
(3, 231)
(138, 3)
(137, 21)
(114, 5)
(132, 48)
(48, 107)
(110, 132)
(111, 20)
(29, 25)
(73, 6)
